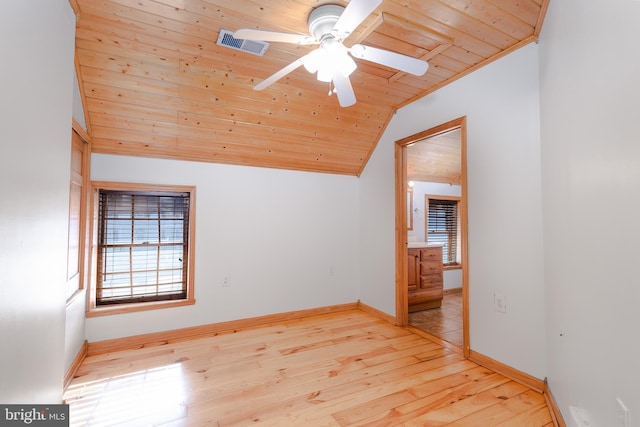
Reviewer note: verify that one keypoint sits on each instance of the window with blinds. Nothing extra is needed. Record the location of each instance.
(143, 246)
(442, 227)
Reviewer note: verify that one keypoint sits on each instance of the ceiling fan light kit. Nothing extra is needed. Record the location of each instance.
(329, 25)
(332, 57)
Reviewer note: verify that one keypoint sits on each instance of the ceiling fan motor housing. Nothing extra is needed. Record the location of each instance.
(322, 20)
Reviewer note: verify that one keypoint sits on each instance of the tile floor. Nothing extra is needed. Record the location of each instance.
(444, 322)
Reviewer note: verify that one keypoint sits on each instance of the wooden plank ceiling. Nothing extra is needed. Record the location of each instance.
(155, 83)
(436, 159)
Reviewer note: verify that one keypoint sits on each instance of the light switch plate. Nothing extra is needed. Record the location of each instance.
(499, 303)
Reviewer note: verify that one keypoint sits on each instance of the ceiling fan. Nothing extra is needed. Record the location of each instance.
(329, 25)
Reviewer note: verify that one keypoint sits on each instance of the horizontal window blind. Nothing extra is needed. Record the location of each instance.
(442, 227)
(142, 247)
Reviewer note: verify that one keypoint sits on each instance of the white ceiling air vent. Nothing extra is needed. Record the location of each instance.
(225, 38)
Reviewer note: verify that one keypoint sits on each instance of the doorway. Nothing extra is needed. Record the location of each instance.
(427, 159)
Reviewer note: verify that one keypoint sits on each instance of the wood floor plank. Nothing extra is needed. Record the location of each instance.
(370, 408)
(335, 369)
(480, 396)
(504, 412)
(535, 416)
(337, 391)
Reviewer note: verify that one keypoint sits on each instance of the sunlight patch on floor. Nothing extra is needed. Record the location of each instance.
(136, 399)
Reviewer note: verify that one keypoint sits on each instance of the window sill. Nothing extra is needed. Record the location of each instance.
(452, 267)
(138, 306)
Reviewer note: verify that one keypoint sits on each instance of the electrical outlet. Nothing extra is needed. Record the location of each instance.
(226, 281)
(622, 414)
(499, 303)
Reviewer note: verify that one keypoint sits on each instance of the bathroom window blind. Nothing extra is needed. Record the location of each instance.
(442, 227)
(142, 247)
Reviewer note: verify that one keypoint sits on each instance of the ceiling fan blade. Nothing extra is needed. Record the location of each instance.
(344, 90)
(272, 36)
(353, 15)
(280, 74)
(395, 60)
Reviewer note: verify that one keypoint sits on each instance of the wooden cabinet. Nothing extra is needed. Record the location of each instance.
(425, 278)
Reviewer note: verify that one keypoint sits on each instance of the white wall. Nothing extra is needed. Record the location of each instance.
(36, 41)
(590, 104)
(451, 278)
(377, 230)
(505, 246)
(74, 331)
(279, 235)
(78, 108)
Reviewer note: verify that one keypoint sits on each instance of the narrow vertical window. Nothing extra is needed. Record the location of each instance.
(77, 212)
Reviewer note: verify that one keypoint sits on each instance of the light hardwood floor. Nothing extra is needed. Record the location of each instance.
(339, 369)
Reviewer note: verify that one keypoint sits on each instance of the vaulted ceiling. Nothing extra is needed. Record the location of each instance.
(436, 159)
(155, 83)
